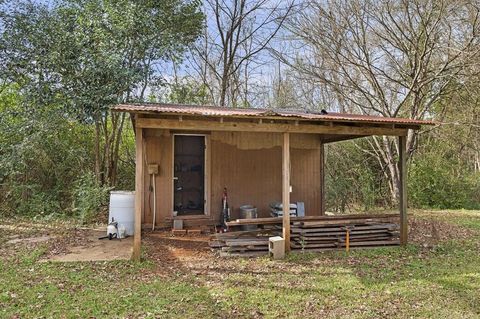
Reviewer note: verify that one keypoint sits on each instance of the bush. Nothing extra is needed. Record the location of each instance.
(437, 181)
(29, 200)
(353, 181)
(40, 150)
(89, 197)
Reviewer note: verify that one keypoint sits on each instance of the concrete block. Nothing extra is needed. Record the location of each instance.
(276, 247)
(178, 224)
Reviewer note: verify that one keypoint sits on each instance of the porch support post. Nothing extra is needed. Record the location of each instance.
(322, 178)
(286, 189)
(402, 169)
(137, 237)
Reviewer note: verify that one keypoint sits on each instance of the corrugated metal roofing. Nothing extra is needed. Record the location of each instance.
(215, 111)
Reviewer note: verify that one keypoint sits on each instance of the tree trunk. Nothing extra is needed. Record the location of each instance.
(97, 151)
(115, 152)
(224, 87)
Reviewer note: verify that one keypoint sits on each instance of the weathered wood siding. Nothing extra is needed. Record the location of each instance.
(248, 164)
(158, 150)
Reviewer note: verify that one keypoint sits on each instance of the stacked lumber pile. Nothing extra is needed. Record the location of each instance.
(242, 243)
(314, 233)
(320, 235)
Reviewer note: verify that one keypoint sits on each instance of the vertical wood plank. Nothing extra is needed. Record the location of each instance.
(137, 237)
(322, 178)
(402, 168)
(286, 189)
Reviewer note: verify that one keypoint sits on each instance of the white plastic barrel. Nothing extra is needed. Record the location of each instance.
(122, 209)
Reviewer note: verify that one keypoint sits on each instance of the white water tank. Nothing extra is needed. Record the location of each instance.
(122, 209)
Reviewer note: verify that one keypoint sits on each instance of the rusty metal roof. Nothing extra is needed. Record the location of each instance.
(215, 111)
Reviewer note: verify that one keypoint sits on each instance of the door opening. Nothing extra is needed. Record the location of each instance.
(189, 174)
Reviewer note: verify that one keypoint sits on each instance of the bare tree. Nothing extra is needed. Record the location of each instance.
(237, 32)
(390, 58)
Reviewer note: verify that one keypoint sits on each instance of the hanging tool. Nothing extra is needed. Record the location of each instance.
(225, 217)
(153, 170)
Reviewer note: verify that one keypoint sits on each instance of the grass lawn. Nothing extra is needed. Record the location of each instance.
(424, 280)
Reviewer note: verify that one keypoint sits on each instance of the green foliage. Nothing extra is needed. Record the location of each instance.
(83, 56)
(188, 92)
(62, 65)
(436, 181)
(352, 179)
(40, 153)
(126, 160)
(89, 197)
(445, 171)
(90, 54)
(45, 160)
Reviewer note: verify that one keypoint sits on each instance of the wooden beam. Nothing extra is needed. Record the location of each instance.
(286, 190)
(137, 236)
(336, 219)
(322, 178)
(202, 125)
(402, 168)
(338, 138)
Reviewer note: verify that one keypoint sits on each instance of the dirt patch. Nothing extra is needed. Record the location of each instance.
(89, 248)
(429, 232)
(27, 240)
(61, 242)
(192, 255)
(176, 252)
(69, 239)
(178, 255)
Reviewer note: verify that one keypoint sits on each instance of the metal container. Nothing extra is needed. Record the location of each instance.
(248, 212)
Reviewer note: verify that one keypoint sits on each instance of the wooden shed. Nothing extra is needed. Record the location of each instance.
(187, 155)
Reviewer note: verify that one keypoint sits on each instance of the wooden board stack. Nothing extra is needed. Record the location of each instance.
(319, 235)
(312, 233)
(242, 243)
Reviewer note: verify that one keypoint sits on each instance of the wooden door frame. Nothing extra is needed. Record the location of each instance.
(206, 178)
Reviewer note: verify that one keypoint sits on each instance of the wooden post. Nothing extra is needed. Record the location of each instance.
(347, 240)
(286, 190)
(402, 169)
(322, 178)
(137, 237)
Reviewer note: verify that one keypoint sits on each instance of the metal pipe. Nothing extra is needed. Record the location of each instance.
(154, 202)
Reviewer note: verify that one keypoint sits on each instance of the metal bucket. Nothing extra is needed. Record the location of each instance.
(248, 212)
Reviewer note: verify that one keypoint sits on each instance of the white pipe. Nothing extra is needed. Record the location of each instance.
(154, 203)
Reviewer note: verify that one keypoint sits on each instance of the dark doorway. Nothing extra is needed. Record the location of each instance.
(189, 175)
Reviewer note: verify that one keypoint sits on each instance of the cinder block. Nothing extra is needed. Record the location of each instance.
(178, 224)
(276, 247)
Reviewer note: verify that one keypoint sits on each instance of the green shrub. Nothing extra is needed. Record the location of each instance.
(437, 181)
(90, 197)
(29, 200)
(353, 181)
